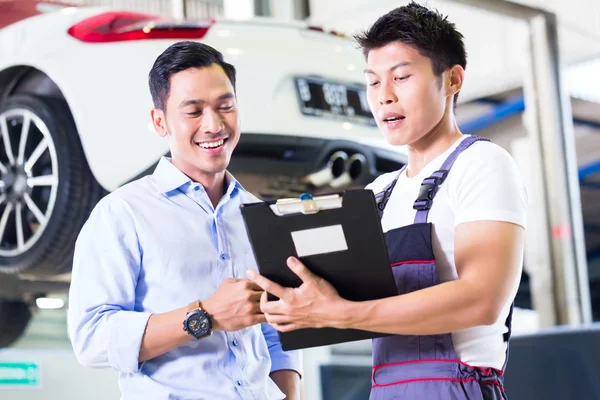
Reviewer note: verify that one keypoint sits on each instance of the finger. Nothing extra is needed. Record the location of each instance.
(272, 307)
(259, 319)
(255, 296)
(255, 309)
(300, 269)
(254, 286)
(285, 327)
(278, 319)
(264, 300)
(266, 284)
(250, 284)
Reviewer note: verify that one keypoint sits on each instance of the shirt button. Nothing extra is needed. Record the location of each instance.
(239, 383)
(197, 188)
(223, 256)
(235, 343)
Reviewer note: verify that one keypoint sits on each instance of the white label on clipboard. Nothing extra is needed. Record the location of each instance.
(319, 240)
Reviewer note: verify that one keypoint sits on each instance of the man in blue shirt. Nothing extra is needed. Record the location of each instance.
(159, 289)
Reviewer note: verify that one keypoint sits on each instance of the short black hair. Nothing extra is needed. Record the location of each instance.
(179, 57)
(425, 29)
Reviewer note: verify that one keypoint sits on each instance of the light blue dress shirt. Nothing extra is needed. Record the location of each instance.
(152, 246)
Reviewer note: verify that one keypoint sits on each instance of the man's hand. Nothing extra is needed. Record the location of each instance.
(312, 305)
(235, 305)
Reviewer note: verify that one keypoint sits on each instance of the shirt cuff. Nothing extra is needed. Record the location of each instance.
(291, 360)
(517, 218)
(125, 339)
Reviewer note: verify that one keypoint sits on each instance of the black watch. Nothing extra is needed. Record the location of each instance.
(197, 323)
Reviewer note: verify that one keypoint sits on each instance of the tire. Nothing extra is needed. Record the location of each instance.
(14, 318)
(64, 201)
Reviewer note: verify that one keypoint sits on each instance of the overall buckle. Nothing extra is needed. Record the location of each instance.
(429, 188)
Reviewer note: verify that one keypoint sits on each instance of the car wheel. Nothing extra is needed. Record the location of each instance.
(46, 187)
(14, 317)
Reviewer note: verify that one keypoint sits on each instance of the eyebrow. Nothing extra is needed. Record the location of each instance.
(189, 102)
(402, 64)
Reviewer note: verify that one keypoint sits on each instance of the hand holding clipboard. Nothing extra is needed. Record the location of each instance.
(338, 238)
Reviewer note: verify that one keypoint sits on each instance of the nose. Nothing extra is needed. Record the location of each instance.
(386, 94)
(211, 122)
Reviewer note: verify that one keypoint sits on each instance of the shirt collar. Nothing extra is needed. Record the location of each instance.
(168, 177)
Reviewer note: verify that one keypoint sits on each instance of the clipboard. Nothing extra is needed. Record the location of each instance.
(338, 237)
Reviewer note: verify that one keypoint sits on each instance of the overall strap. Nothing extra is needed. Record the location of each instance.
(431, 184)
(383, 197)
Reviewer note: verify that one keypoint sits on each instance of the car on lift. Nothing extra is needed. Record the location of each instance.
(75, 124)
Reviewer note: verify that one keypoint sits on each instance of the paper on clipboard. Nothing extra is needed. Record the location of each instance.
(323, 240)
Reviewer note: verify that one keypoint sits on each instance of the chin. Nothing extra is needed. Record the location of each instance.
(396, 139)
(212, 168)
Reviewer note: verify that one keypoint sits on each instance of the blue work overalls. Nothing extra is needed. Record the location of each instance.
(425, 367)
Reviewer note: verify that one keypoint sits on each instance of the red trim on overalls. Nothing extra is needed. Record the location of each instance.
(483, 371)
(413, 262)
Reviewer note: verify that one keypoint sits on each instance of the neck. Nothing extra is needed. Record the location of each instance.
(434, 143)
(215, 187)
(213, 184)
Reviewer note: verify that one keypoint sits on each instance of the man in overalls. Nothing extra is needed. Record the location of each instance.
(454, 219)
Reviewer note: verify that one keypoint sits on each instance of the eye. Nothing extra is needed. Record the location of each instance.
(226, 108)
(374, 83)
(402, 78)
(194, 114)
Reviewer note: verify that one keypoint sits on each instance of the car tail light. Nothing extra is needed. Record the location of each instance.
(316, 28)
(321, 29)
(124, 26)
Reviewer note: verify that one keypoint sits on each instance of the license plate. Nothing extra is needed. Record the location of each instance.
(333, 100)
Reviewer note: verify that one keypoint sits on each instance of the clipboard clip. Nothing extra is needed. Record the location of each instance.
(308, 205)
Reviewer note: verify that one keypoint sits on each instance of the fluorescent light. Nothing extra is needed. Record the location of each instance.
(49, 303)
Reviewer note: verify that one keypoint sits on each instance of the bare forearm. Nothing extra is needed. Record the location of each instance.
(440, 309)
(288, 382)
(164, 332)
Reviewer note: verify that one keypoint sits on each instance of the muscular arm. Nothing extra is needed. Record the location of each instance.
(489, 203)
(488, 260)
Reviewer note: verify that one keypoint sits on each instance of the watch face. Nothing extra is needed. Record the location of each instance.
(194, 325)
(198, 324)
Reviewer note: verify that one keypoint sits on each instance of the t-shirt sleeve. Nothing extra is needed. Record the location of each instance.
(486, 185)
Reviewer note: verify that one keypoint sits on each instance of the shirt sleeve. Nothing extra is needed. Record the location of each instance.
(488, 187)
(280, 359)
(104, 328)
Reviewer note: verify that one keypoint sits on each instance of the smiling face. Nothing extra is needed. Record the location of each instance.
(200, 120)
(407, 99)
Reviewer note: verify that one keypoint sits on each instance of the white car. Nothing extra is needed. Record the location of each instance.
(75, 123)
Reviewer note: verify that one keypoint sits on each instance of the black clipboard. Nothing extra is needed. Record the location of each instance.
(362, 272)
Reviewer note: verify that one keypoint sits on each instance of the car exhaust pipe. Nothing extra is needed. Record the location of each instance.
(353, 170)
(333, 169)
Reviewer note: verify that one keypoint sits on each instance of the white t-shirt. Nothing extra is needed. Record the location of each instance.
(483, 184)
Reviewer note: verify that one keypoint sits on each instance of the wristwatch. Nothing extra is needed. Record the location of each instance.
(197, 322)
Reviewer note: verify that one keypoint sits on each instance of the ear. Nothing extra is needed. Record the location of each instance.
(454, 80)
(159, 121)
